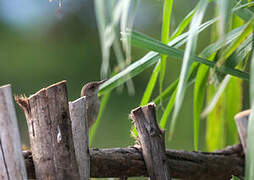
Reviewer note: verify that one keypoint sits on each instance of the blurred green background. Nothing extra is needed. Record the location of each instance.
(41, 44)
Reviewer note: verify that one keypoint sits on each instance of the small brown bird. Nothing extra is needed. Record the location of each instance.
(90, 90)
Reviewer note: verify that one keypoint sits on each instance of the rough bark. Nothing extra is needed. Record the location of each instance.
(12, 164)
(49, 125)
(128, 162)
(152, 143)
(80, 136)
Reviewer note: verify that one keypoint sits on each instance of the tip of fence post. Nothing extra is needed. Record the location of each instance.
(5, 86)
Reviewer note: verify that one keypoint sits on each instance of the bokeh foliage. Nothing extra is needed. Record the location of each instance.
(217, 73)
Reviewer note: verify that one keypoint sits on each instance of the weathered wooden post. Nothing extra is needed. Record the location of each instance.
(49, 125)
(242, 119)
(12, 164)
(152, 143)
(80, 136)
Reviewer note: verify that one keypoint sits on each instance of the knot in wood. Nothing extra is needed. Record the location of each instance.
(153, 132)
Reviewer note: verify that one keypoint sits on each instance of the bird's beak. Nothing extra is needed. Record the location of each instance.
(102, 81)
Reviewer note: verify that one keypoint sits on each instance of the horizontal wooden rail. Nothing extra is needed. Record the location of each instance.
(128, 162)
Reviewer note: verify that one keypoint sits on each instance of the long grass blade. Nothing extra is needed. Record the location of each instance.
(132, 70)
(167, 9)
(249, 170)
(247, 30)
(107, 23)
(184, 23)
(143, 41)
(224, 7)
(167, 92)
(176, 43)
(221, 130)
(170, 89)
(202, 27)
(127, 21)
(242, 6)
(241, 52)
(200, 90)
(190, 48)
(100, 12)
(199, 96)
(215, 124)
(231, 36)
(233, 105)
(145, 62)
(228, 105)
(216, 97)
(116, 43)
(171, 92)
(150, 85)
(168, 110)
(243, 13)
(140, 40)
(123, 26)
(213, 47)
(94, 128)
(234, 90)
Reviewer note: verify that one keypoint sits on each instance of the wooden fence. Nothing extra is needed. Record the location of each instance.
(58, 134)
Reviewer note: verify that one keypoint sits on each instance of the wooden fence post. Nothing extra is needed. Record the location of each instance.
(12, 164)
(80, 136)
(49, 125)
(242, 120)
(152, 142)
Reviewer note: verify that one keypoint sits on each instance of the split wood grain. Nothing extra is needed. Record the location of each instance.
(152, 143)
(12, 164)
(49, 125)
(80, 136)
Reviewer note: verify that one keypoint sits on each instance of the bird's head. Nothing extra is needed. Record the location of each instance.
(91, 88)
